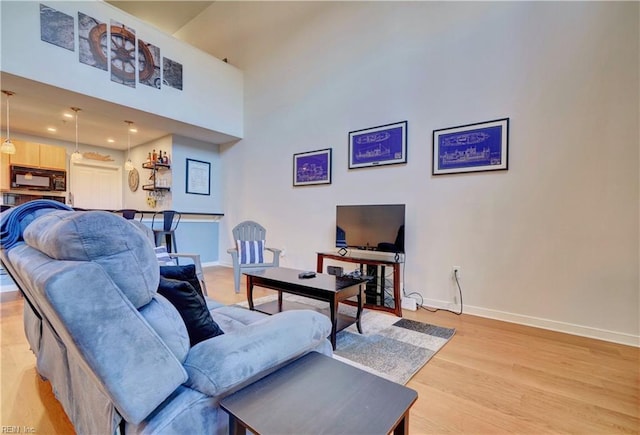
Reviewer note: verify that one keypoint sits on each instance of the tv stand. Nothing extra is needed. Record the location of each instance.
(379, 264)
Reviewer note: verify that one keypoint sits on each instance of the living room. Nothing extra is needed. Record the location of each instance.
(552, 242)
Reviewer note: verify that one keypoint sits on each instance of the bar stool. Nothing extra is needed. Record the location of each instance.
(170, 221)
(129, 213)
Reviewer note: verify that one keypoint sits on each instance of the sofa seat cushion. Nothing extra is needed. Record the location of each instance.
(192, 308)
(232, 318)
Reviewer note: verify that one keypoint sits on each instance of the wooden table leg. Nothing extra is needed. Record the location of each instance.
(403, 426)
(250, 291)
(333, 308)
(235, 427)
(360, 307)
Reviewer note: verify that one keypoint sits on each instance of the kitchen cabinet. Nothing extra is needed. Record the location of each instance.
(39, 155)
(5, 175)
(53, 157)
(27, 154)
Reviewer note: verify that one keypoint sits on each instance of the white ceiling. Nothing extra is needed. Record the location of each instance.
(36, 107)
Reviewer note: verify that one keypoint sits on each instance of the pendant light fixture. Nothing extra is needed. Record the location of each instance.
(128, 165)
(7, 146)
(76, 156)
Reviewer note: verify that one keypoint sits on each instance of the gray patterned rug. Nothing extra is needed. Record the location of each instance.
(391, 347)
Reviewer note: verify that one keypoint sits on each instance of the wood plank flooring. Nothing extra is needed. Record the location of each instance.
(492, 377)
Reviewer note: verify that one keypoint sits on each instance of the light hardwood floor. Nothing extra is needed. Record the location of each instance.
(492, 377)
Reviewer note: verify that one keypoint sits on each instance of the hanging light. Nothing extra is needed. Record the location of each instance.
(128, 165)
(76, 154)
(7, 146)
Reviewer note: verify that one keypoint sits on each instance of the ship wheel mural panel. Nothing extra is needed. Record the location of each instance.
(93, 41)
(149, 64)
(122, 41)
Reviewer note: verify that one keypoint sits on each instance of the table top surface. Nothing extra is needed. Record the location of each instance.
(321, 281)
(318, 394)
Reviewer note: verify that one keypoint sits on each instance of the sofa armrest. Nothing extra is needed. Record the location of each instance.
(228, 362)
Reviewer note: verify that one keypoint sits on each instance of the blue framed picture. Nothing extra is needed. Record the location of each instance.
(313, 167)
(483, 146)
(383, 145)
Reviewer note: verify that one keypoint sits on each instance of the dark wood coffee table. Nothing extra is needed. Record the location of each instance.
(322, 287)
(319, 395)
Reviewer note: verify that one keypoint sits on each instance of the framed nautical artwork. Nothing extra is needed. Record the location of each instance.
(313, 167)
(483, 146)
(377, 146)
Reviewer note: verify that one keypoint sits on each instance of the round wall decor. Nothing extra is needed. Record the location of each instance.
(134, 179)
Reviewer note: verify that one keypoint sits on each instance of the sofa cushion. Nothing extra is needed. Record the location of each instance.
(124, 252)
(183, 273)
(192, 309)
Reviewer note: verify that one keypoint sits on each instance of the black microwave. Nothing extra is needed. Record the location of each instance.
(38, 179)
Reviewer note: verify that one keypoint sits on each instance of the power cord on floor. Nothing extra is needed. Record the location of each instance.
(416, 295)
(457, 313)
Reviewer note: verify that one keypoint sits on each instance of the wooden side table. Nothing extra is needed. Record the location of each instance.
(318, 394)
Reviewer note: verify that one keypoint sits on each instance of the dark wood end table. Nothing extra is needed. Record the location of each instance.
(322, 287)
(317, 394)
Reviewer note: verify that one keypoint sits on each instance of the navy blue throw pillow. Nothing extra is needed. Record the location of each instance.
(192, 309)
(183, 273)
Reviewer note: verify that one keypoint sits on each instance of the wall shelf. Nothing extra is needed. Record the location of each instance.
(155, 168)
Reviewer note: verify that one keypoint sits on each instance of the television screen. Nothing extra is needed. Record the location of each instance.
(370, 227)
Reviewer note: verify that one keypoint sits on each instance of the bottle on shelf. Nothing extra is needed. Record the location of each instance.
(154, 156)
(149, 157)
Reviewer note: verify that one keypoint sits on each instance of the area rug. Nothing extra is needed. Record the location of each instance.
(391, 347)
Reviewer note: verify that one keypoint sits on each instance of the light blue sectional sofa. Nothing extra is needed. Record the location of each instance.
(116, 352)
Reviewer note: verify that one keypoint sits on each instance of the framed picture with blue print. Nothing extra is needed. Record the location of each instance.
(377, 146)
(312, 167)
(483, 146)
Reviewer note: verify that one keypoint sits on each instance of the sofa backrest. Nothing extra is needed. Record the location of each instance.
(104, 238)
(89, 274)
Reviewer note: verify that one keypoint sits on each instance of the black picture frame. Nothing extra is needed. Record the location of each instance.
(312, 167)
(477, 147)
(378, 146)
(198, 180)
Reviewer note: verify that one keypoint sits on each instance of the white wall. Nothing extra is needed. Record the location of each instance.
(551, 242)
(212, 90)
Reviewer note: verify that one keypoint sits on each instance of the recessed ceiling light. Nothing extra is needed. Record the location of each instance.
(68, 115)
(52, 129)
(133, 130)
(111, 140)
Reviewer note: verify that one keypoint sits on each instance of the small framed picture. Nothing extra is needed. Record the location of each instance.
(377, 146)
(198, 177)
(313, 167)
(483, 146)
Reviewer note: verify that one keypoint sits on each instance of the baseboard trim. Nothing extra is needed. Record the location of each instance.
(210, 263)
(538, 322)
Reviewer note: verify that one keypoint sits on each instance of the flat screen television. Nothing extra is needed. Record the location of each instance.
(370, 227)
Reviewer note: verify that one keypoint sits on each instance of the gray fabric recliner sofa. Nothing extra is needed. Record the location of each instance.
(117, 354)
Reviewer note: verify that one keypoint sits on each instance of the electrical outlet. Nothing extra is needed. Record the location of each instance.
(283, 253)
(455, 272)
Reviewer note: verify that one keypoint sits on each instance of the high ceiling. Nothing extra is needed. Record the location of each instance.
(36, 108)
